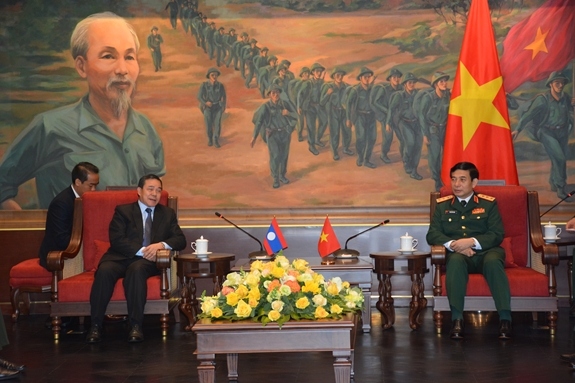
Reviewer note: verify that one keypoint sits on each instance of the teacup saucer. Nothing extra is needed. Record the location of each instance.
(546, 239)
(407, 251)
(202, 254)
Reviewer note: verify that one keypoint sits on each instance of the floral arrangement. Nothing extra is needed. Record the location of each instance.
(277, 291)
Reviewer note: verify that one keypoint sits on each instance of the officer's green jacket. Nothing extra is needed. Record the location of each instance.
(480, 219)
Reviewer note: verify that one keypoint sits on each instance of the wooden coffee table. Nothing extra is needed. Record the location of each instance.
(246, 337)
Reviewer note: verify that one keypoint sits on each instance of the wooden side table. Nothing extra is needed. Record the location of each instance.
(385, 267)
(190, 267)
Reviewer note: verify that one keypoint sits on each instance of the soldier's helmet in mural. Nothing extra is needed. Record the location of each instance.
(337, 70)
(281, 67)
(438, 76)
(304, 70)
(394, 72)
(557, 75)
(285, 62)
(274, 87)
(213, 70)
(272, 58)
(317, 66)
(409, 77)
(364, 71)
(264, 49)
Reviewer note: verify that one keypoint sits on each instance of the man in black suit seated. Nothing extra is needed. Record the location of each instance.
(137, 231)
(60, 214)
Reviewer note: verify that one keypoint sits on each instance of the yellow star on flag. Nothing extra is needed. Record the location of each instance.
(323, 237)
(475, 104)
(538, 45)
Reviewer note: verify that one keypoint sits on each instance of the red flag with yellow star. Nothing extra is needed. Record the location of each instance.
(328, 242)
(540, 44)
(478, 122)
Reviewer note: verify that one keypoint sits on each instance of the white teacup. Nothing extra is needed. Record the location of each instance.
(407, 243)
(551, 231)
(200, 246)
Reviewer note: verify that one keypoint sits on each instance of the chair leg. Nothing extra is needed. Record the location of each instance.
(15, 301)
(164, 324)
(552, 317)
(438, 318)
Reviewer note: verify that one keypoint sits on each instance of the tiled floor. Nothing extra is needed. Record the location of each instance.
(397, 355)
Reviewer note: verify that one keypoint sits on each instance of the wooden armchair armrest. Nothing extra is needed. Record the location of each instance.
(55, 259)
(438, 255)
(549, 251)
(163, 258)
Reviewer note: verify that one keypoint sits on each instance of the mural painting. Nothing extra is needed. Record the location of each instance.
(251, 104)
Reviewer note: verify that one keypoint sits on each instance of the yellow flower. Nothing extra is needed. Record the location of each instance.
(335, 309)
(253, 302)
(274, 315)
(277, 306)
(278, 272)
(302, 303)
(232, 299)
(255, 294)
(311, 287)
(208, 304)
(300, 265)
(332, 289)
(257, 265)
(242, 291)
(282, 261)
(320, 312)
(216, 313)
(252, 279)
(243, 310)
(345, 285)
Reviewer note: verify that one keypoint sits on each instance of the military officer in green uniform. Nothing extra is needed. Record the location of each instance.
(212, 98)
(380, 95)
(275, 121)
(308, 104)
(401, 112)
(360, 114)
(332, 98)
(432, 106)
(470, 227)
(196, 27)
(261, 61)
(551, 115)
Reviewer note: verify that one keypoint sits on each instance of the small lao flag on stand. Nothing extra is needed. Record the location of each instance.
(328, 242)
(274, 241)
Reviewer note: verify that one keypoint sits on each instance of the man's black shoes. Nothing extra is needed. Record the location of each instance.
(568, 357)
(6, 374)
(456, 329)
(505, 329)
(4, 364)
(95, 334)
(136, 335)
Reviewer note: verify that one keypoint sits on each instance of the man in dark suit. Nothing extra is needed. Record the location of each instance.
(60, 214)
(137, 231)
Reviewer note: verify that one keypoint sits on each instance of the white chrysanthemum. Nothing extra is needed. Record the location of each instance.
(319, 300)
(278, 306)
(208, 304)
(233, 279)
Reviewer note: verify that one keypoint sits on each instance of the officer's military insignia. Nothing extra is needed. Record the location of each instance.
(443, 199)
(478, 210)
(450, 212)
(486, 197)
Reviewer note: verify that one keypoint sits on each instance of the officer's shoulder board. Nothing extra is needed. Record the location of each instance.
(443, 199)
(486, 197)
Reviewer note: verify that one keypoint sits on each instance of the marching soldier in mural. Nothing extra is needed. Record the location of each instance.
(308, 104)
(380, 95)
(432, 106)
(332, 97)
(212, 98)
(551, 115)
(154, 41)
(249, 52)
(101, 128)
(294, 87)
(289, 73)
(210, 37)
(236, 51)
(174, 8)
(261, 61)
(282, 81)
(401, 110)
(196, 28)
(360, 114)
(275, 121)
(184, 16)
(229, 41)
(202, 28)
(220, 48)
(265, 74)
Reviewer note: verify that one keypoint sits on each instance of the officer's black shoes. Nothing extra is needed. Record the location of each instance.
(456, 329)
(505, 329)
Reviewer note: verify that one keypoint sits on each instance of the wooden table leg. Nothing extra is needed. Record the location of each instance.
(387, 309)
(187, 303)
(232, 366)
(207, 368)
(415, 306)
(342, 366)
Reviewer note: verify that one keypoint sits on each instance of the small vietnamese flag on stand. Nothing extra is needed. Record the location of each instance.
(328, 242)
(274, 240)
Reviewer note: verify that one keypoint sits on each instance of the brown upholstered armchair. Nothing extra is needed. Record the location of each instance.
(71, 295)
(531, 290)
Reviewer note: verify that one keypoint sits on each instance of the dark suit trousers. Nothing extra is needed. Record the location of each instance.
(135, 272)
